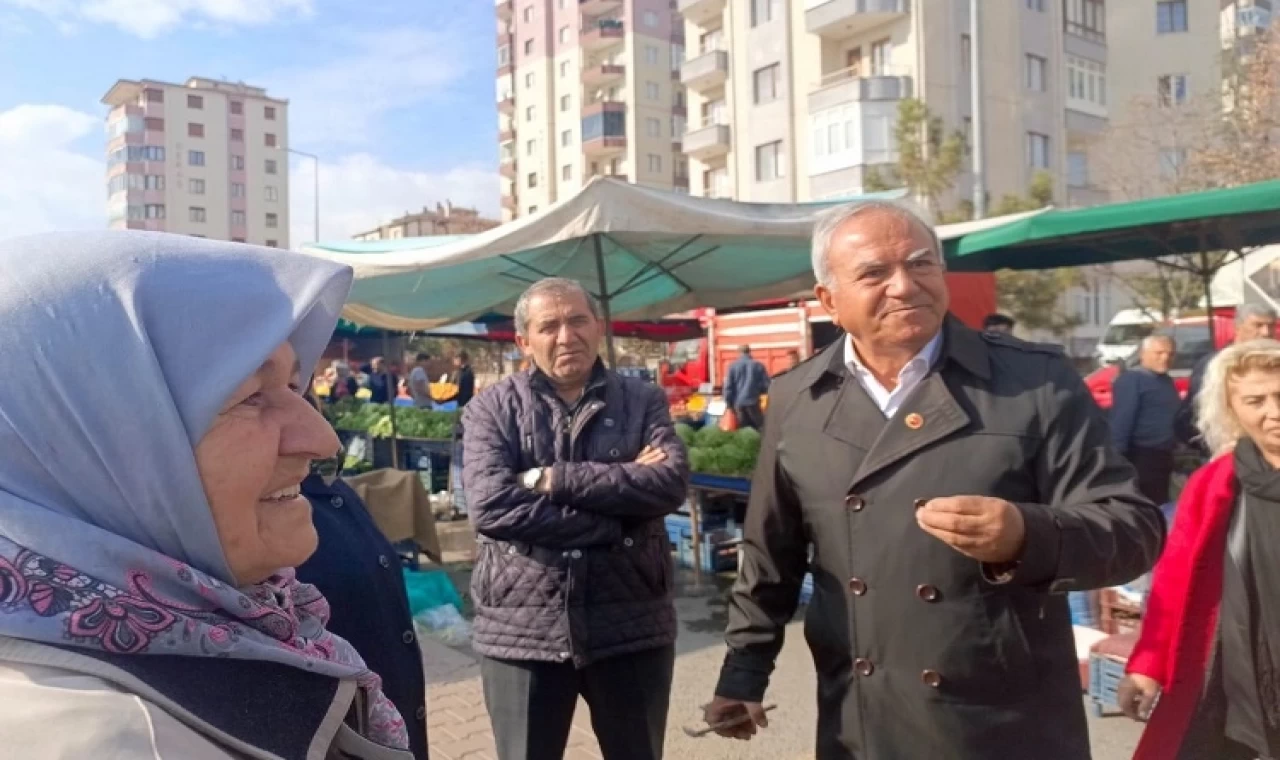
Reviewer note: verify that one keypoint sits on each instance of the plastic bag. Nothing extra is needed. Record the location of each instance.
(430, 589)
(729, 421)
(445, 624)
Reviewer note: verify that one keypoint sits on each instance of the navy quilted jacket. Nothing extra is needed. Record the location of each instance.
(582, 573)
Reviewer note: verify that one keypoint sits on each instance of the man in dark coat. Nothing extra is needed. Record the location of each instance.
(952, 486)
(569, 469)
(464, 377)
(1144, 407)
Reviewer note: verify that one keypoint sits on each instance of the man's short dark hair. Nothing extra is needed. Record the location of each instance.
(424, 357)
(462, 356)
(997, 320)
(746, 350)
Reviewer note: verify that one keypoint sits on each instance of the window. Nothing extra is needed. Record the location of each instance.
(880, 57)
(531, 180)
(1171, 162)
(651, 91)
(566, 138)
(1036, 69)
(1086, 86)
(152, 95)
(770, 162)
(504, 55)
(1086, 18)
(564, 34)
(195, 101)
(651, 55)
(237, 108)
(533, 210)
(528, 14)
(530, 147)
(1172, 89)
(677, 56)
(153, 182)
(1171, 16)
(237, 218)
(195, 157)
(269, 140)
(271, 193)
(153, 124)
(237, 163)
(195, 130)
(564, 69)
(655, 162)
(677, 127)
(528, 113)
(196, 214)
(650, 19)
(1077, 169)
(1037, 150)
(269, 166)
(528, 47)
(195, 186)
(966, 53)
(653, 127)
(269, 113)
(766, 84)
(566, 172)
(237, 189)
(154, 210)
(565, 102)
(528, 81)
(762, 11)
(237, 135)
(273, 220)
(272, 243)
(1035, 5)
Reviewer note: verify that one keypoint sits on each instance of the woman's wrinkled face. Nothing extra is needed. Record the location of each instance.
(251, 461)
(1255, 400)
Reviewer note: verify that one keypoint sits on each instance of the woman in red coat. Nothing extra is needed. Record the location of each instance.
(1206, 670)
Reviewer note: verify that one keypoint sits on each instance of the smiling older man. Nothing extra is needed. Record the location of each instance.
(952, 487)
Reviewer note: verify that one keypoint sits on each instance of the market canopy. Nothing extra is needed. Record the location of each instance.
(1232, 219)
(645, 252)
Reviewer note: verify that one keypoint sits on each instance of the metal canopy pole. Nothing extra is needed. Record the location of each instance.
(392, 391)
(604, 303)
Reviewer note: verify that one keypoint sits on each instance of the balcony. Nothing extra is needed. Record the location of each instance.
(838, 19)
(604, 129)
(505, 9)
(701, 12)
(604, 75)
(506, 135)
(509, 203)
(507, 104)
(706, 71)
(508, 169)
(843, 87)
(602, 35)
(598, 7)
(708, 141)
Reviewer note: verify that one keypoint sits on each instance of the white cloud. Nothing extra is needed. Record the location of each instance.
(151, 18)
(44, 183)
(342, 100)
(358, 193)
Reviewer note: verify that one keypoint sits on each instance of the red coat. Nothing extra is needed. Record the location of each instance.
(1181, 618)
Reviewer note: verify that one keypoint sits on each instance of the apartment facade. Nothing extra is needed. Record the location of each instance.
(587, 88)
(444, 219)
(205, 158)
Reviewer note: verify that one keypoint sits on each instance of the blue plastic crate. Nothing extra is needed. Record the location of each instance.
(719, 553)
(680, 525)
(1105, 674)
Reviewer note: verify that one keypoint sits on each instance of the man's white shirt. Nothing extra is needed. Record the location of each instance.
(911, 375)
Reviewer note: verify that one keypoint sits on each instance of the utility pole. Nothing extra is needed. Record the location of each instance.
(975, 88)
(315, 176)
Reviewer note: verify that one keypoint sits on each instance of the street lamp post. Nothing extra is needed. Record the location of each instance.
(315, 176)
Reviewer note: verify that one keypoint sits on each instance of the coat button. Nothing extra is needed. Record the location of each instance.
(854, 502)
(863, 666)
(919, 503)
(421, 713)
(613, 452)
(511, 550)
(628, 542)
(407, 637)
(927, 592)
(857, 586)
(382, 560)
(931, 678)
(564, 655)
(575, 554)
(337, 501)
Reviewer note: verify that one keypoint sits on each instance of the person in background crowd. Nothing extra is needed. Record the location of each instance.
(1210, 641)
(1252, 321)
(420, 382)
(998, 324)
(464, 377)
(746, 381)
(149, 606)
(951, 485)
(344, 385)
(1143, 408)
(382, 380)
(358, 572)
(569, 469)
(793, 360)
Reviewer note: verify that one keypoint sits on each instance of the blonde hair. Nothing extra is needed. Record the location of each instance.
(1218, 424)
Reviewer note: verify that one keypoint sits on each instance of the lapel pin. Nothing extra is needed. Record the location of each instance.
(914, 421)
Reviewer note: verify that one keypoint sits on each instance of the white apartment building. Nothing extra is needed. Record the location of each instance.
(205, 158)
(587, 88)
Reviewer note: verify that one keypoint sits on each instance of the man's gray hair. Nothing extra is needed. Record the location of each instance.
(1247, 311)
(554, 287)
(831, 220)
(1151, 340)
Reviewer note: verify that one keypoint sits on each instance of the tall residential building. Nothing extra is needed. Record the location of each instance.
(205, 158)
(445, 219)
(794, 100)
(587, 88)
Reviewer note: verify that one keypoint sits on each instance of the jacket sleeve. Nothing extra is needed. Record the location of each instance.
(628, 489)
(1092, 527)
(730, 390)
(774, 560)
(503, 509)
(1124, 410)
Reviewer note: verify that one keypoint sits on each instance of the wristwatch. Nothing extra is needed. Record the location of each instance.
(530, 478)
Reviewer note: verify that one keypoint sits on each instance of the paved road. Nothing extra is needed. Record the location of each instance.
(459, 726)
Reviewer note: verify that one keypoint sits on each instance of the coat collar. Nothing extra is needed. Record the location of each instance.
(960, 344)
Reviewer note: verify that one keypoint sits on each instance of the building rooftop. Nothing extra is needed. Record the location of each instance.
(127, 90)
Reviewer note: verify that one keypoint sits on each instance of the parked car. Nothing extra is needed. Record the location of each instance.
(1193, 342)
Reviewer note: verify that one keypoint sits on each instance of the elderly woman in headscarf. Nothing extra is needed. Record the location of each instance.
(148, 602)
(1206, 668)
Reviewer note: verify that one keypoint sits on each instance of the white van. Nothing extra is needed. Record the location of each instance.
(1125, 331)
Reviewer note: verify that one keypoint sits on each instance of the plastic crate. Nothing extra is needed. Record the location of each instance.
(1105, 673)
(719, 552)
(680, 525)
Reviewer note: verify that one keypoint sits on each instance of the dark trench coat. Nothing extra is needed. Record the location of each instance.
(920, 651)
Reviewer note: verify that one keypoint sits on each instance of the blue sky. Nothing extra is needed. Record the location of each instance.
(396, 96)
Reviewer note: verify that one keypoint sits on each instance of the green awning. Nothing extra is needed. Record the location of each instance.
(1235, 219)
